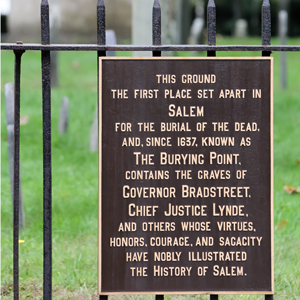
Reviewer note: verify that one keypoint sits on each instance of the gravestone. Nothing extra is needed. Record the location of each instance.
(197, 25)
(9, 107)
(55, 25)
(283, 30)
(5, 10)
(63, 116)
(111, 39)
(241, 28)
(142, 25)
(183, 17)
(94, 139)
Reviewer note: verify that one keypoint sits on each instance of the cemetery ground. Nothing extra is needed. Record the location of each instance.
(75, 180)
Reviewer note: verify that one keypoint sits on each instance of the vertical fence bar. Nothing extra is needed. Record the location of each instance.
(45, 25)
(159, 297)
(266, 26)
(211, 26)
(47, 172)
(156, 26)
(101, 40)
(211, 41)
(101, 26)
(16, 176)
(266, 41)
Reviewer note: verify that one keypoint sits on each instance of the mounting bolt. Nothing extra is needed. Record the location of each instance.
(19, 42)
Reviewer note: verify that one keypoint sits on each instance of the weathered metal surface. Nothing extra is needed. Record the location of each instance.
(143, 102)
(101, 27)
(266, 23)
(156, 23)
(156, 26)
(47, 164)
(47, 175)
(94, 47)
(16, 181)
(211, 26)
(45, 25)
(211, 23)
(266, 26)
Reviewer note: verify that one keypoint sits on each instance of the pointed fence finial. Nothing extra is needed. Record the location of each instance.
(266, 23)
(101, 27)
(45, 25)
(211, 23)
(156, 23)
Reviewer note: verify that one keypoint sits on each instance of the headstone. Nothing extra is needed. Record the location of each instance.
(111, 39)
(166, 25)
(183, 16)
(197, 25)
(63, 116)
(142, 25)
(177, 26)
(94, 139)
(5, 10)
(10, 109)
(55, 25)
(283, 30)
(241, 28)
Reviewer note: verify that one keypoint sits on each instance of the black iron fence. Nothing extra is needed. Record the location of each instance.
(45, 47)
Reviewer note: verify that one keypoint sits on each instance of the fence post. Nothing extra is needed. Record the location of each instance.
(211, 26)
(156, 26)
(101, 40)
(211, 41)
(101, 26)
(266, 41)
(10, 115)
(16, 187)
(47, 167)
(266, 26)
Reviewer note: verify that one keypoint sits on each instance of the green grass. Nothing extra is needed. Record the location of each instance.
(75, 175)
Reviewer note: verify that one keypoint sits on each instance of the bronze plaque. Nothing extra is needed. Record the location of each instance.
(185, 181)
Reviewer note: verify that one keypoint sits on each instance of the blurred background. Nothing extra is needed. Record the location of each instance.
(75, 21)
(74, 136)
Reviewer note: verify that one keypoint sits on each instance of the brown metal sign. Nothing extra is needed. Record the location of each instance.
(185, 180)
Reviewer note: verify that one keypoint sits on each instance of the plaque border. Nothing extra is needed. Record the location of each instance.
(221, 292)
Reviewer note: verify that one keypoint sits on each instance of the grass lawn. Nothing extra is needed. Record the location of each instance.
(75, 179)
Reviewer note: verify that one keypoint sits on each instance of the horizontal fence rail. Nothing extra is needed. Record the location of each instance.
(95, 47)
(46, 47)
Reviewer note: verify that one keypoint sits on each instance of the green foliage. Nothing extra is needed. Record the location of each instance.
(230, 10)
(75, 180)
